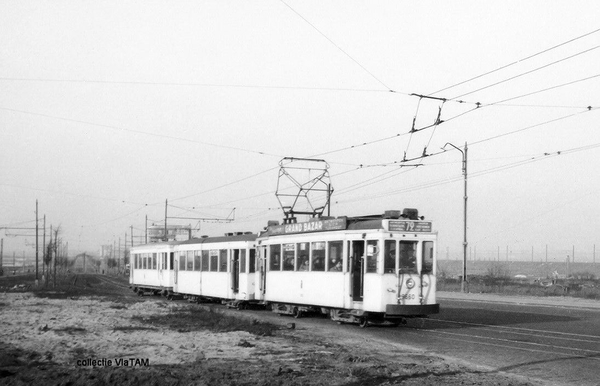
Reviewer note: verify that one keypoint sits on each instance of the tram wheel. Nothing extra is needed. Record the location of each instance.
(296, 313)
(363, 322)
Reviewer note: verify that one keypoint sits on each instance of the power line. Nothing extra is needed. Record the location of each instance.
(517, 62)
(533, 126)
(225, 185)
(545, 89)
(73, 194)
(189, 84)
(337, 46)
(527, 72)
(139, 132)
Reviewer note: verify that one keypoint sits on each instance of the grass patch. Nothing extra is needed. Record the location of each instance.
(199, 319)
(134, 328)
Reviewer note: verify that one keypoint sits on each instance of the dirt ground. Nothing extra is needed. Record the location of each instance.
(93, 331)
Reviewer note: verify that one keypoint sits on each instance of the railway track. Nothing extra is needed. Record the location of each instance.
(113, 281)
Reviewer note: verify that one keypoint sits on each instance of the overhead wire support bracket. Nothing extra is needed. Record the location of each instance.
(429, 97)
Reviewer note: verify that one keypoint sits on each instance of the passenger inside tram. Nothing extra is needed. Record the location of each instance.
(304, 265)
(408, 256)
(390, 261)
(337, 266)
(318, 264)
(288, 264)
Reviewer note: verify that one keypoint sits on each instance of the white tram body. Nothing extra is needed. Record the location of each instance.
(369, 269)
(152, 268)
(356, 269)
(216, 267)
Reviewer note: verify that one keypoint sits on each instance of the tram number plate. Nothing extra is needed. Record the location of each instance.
(407, 296)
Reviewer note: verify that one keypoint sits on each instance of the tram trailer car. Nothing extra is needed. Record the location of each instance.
(217, 268)
(152, 268)
(372, 269)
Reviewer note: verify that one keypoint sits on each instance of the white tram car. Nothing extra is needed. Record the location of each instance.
(152, 268)
(216, 268)
(360, 270)
(369, 269)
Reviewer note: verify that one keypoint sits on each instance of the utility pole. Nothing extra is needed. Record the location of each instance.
(55, 255)
(166, 234)
(119, 253)
(1, 256)
(44, 250)
(36, 243)
(132, 236)
(465, 243)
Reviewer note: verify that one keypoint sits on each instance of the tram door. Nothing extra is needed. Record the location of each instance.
(357, 269)
(170, 267)
(261, 268)
(176, 267)
(235, 271)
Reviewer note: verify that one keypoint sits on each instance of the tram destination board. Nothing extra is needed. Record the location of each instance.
(311, 226)
(410, 226)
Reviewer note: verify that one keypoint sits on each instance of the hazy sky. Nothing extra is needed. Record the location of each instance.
(107, 108)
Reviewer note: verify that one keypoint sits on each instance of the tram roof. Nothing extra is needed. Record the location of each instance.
(219, 239)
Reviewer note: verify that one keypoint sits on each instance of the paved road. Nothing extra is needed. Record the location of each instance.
(553, 339)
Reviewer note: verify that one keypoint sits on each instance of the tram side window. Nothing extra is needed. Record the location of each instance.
(182, 256)
(154, 261)
(164, 260)
(171, 258)
(190, 261)
(318, 256)
(205, 261)
(389, 263)
(222, 260)
(275, 254)
(334, 262)
(252, 261)
(427, 257)
(214, 260)
(408, 256)
(144, 258)
(242, 261)
(372, 254)
(302, 257)
(289, 251)
(196, 260)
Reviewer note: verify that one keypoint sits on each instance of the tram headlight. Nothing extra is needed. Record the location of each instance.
(410, 283)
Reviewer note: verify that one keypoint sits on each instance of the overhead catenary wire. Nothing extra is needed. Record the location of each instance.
(516, 62)
(527, 72)
(158, 135)
(337, 46)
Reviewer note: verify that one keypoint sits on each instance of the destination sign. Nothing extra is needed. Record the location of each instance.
(310, 226)
(410, 226)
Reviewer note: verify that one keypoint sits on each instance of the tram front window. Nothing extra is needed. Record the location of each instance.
(389, 264)
(408, 256)
(427, 257)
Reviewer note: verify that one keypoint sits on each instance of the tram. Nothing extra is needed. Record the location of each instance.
(216, 268)
(152, 268)
(371, 269)
(368, 269)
